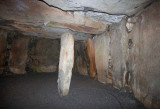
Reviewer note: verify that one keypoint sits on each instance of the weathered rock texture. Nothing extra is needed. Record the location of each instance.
(118, 47)
(108, 6)
(131, 57)
(44, 55)
(66, 61)
(81, 61)
(3, 50)
(41, 17)
(37, 18)
(91, 55)
(144, 58)
(18, 54)
(101, 45)
(111, 54)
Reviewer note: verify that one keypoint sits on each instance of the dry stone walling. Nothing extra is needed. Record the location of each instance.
(66, 61)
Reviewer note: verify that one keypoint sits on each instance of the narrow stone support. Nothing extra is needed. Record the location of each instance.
(91, 55)
(66, 61)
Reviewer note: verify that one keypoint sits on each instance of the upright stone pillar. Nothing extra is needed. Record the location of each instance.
(91, 55)
(66, 61)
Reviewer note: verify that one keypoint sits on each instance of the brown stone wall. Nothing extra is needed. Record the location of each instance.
(144, 58)
(81, 61)
(102, 49)
(44, 55)
(119, 54)
(111, 54)
(91, 55)
(3, 50)
(132, 58)
(18, 54)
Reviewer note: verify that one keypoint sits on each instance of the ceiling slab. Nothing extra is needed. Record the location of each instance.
(81, 17)
(127, 7)
(37, 17)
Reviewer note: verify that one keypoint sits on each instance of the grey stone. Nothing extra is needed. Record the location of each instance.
(109, 6)
(66, 61)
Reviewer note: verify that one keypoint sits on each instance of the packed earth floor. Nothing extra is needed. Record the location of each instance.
(39, 91)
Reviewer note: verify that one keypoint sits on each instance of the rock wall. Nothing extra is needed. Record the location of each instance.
(119, 54)
(91, 55)
(44, 55)
(111, 54)
(102, 48)
(144, 57)
(81, 61)
(18, 54)
(85, 58)
(130, 58)
(3, 50)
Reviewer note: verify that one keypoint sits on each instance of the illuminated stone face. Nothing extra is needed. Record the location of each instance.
(66, 61)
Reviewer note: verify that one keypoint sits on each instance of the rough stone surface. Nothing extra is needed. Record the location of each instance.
(118, 47)
(81, 59)
(66, 61)
(3, 50)
(18, 54)
(91, 55)
(144, 58)
(133, 56)
(113, 7)
(111, 55)
(101, 45)
(44, 55)
(37, 18)
(100, 17)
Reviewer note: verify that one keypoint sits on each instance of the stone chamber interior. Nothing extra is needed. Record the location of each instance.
(75, 54)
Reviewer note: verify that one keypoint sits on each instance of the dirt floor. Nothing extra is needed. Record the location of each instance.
(39, 91)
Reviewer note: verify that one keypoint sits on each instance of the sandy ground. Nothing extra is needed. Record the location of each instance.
(39, 91)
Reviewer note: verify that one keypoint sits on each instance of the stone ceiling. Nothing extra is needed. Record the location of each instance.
(52, 18)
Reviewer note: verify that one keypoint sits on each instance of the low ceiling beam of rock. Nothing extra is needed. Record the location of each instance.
(36, 16)
(52, 18)
(127, 7)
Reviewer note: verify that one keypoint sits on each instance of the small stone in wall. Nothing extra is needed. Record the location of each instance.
(130, 23)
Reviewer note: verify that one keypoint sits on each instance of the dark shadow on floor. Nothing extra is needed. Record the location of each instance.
(39, 91)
